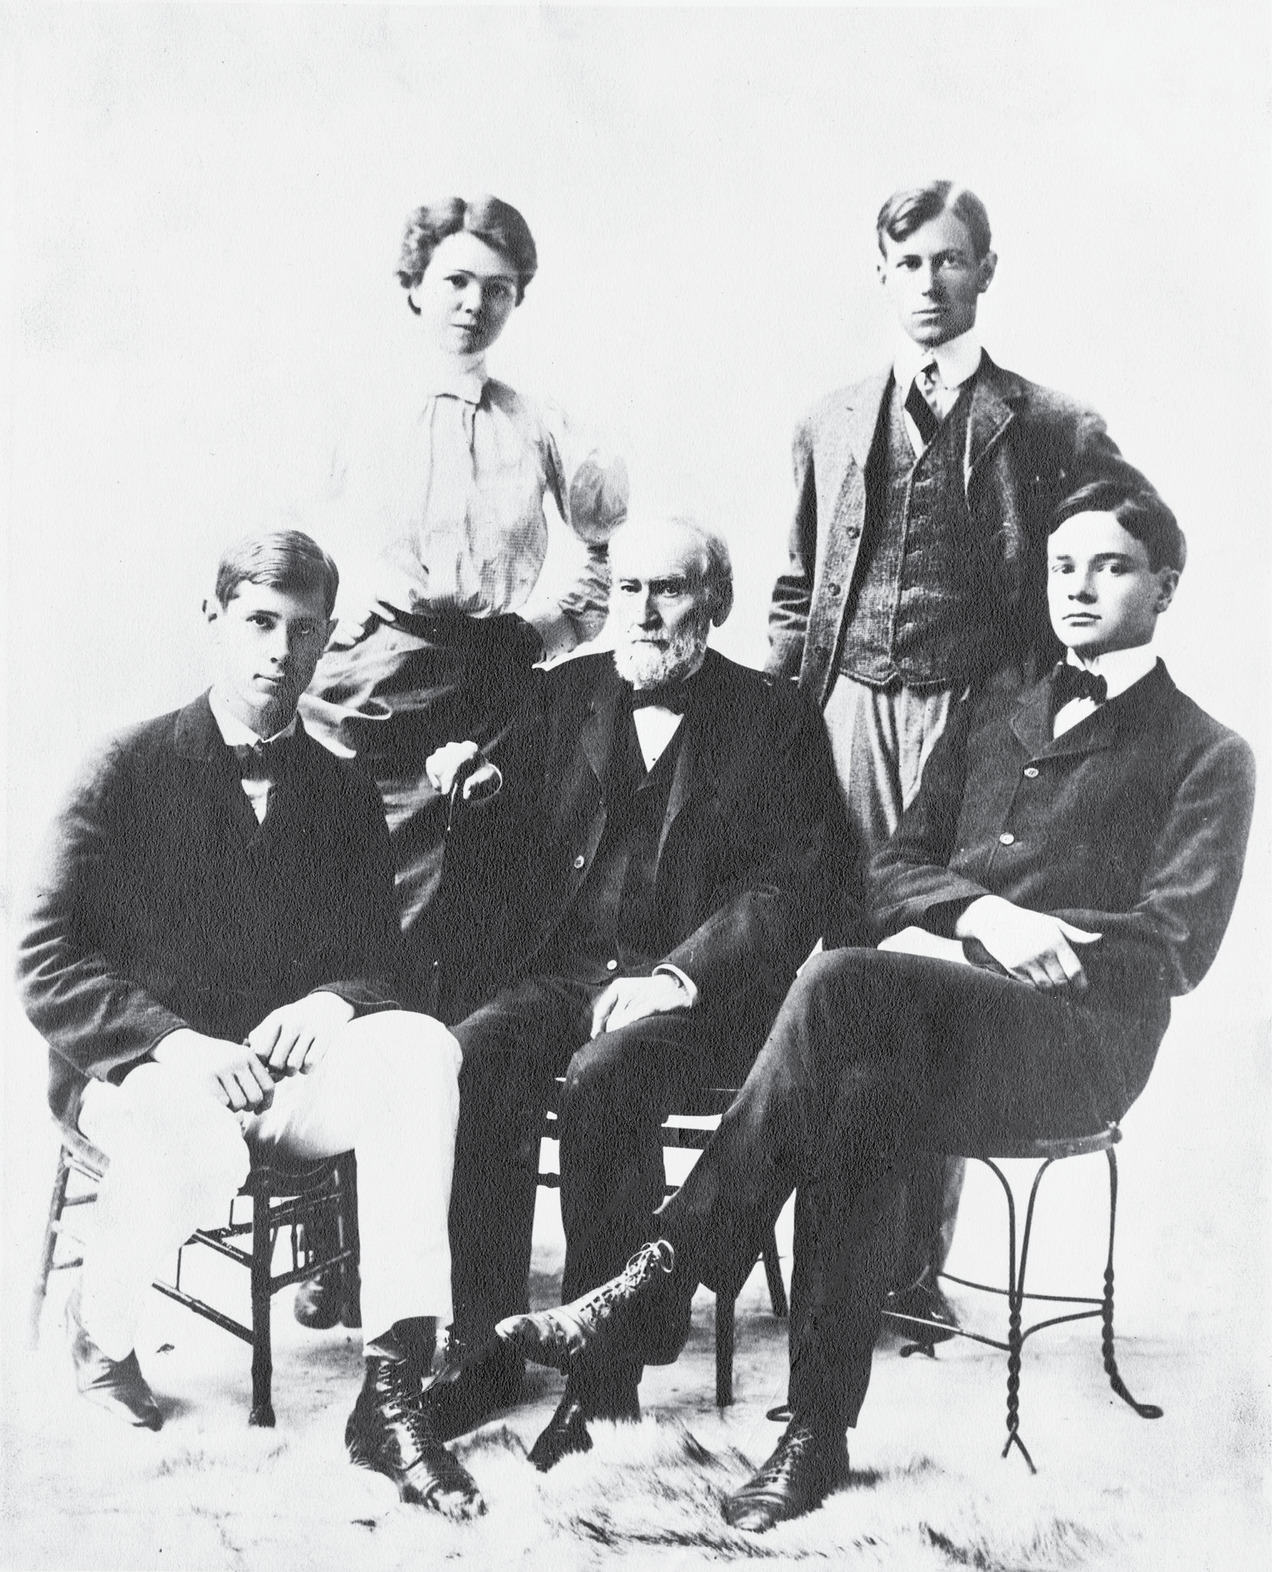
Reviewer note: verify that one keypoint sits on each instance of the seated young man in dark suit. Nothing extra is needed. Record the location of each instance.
(660, 869)
(1079, 842)
(213, 960)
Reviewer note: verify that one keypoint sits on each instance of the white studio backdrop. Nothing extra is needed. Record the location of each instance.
(203, 206)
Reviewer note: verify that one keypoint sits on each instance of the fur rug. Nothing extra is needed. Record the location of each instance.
(222, 1496)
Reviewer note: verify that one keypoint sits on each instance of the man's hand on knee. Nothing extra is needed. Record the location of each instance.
(296, 1036)
(629, 999)
(231, 1072)
(1032, 946)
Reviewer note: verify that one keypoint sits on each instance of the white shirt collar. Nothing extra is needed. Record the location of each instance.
(460, 376)
(956, 360)
(235, 733)
(1121, 669)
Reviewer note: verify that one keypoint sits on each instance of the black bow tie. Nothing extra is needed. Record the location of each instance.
(1075, 682)
(264, 761)
(674, 696)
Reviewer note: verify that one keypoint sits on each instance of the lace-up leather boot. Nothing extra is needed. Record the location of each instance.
(630, 1309)
(392, 1431)
(807, 1465)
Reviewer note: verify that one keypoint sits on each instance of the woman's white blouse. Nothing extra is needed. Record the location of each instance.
(462, 523)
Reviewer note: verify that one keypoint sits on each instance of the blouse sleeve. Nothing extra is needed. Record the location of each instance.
(589, 485)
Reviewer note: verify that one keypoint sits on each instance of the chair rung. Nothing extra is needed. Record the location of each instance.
(286, 1279)
(206, 1311)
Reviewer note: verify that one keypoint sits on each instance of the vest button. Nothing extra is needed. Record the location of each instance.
(579, 860)
(1031, 772)
(1007, 838)
(833, 589)
(611, 966)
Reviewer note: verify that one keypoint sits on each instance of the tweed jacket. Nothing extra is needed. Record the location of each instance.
(1027, 447)
(1132, 825)
(748, 846)
(162, 903)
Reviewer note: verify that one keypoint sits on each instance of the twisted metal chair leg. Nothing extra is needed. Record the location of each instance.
(1144, 1410)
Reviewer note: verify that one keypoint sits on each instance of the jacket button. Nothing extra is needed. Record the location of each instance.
(833, 589)
(611, 966)
(1031, 772)
(579, 860)
(1007, 838)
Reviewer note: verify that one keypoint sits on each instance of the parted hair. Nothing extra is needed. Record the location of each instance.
(1138, 509)
(497, 223)
(285, 559)
(908, 210)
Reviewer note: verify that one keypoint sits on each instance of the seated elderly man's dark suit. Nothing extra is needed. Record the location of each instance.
(1132, 825)
(712, 862)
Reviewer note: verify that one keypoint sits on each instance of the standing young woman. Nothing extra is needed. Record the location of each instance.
(439, 640)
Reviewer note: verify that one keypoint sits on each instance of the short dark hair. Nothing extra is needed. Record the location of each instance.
(908, 210)
(1138, 509)
(284, 559)
(497, 223)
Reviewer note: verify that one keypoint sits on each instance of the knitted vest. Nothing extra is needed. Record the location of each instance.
(916, 600)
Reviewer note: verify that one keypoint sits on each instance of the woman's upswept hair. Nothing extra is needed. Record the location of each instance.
(497, 223)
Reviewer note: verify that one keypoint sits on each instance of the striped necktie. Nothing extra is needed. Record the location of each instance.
(922, 402)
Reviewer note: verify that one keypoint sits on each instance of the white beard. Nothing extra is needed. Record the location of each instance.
(649, 666)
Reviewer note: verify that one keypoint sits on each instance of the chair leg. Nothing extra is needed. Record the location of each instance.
(1015, 1300)
(262, 1356)
(56, 1203)
(773, 1271)
(347, 1229)
(724, 1350)
(1144, 1410)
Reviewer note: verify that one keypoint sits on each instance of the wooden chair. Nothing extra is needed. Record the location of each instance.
(316, 1201)
(1045, 1153)
(711, 1103)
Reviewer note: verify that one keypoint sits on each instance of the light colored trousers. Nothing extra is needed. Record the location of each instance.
(387, 1090)
(880, 739)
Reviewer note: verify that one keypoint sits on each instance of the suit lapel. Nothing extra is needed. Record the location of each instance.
(700, 734)
(1103, 729)
(599, 736)
(994, 395)
(862, 415)
(198, 739)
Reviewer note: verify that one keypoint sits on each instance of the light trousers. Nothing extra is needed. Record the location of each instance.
(387, 1090)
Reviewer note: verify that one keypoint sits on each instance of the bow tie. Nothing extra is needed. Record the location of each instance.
(673, 696)
(264, 761)
(1075, 682)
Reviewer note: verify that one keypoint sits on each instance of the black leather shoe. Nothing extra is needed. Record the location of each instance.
(922, 1302)
(627, 1305)
(392, 1431)
(484, 1387)
(117, 1385)
(807, 1465)
(564, 1433)
(323, 1302)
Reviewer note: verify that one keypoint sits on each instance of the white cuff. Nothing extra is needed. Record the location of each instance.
(687, 983)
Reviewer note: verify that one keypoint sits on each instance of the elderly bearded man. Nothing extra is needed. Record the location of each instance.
(659, 879)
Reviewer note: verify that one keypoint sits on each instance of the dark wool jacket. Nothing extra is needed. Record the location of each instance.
(162, 903)
(1132, 825)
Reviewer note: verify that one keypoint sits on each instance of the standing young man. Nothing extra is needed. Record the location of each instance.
(213, 960)
(917, 559)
